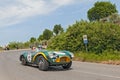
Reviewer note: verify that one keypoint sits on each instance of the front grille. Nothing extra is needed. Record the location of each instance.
(63, 59)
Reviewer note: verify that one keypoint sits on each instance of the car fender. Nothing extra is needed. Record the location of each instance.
(23, 55)
(39, 53)
(67, 53)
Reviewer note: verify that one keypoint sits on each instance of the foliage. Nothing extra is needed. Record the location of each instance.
(40, 38)
(114, 18)
(101, 10)
(57, 43)
(101, 37)
(18, 45)
(57, 29)
(47, 34)
(26, 44)
(32, 39)
(93, 57)
(1, 48)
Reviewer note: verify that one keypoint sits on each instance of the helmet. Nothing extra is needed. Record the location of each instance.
(39, 46)
(33, 48)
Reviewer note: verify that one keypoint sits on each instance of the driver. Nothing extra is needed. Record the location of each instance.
(39, 48)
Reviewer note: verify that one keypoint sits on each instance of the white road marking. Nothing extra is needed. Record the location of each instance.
(97, 74)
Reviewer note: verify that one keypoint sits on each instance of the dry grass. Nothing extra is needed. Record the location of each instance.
(111, 62)
(105, 58)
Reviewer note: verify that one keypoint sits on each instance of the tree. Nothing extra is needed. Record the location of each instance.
(16, 45)
(114, 18)
(32, 39)
(47, 34)
(40, 38)
(101, 10)
(57, 29)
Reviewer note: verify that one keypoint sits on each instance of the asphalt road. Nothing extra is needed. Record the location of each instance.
(11, 69)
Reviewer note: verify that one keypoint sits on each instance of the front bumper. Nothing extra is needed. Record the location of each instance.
(64, 59)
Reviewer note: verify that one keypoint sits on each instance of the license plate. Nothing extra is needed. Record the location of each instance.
(63, 60)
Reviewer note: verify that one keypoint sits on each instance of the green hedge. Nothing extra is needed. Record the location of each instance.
(101, 37)
(18, 45)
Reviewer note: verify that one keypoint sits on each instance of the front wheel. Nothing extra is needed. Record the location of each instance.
(67, 66)
(43, 64)
(23, 61)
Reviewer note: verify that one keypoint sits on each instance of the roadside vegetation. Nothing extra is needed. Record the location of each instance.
(102, 30)
(0, 48)
(106, 57)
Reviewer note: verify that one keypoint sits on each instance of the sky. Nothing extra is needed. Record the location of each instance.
(22, 19)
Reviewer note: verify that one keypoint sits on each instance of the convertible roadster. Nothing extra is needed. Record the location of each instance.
(44, 58)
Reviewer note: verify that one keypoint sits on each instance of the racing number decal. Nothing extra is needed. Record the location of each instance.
(29, 57)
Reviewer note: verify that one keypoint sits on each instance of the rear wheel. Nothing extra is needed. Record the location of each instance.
(67, 66)
(23, 61)
(43, 64)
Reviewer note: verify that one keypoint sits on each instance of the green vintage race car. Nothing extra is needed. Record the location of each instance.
(45, 58)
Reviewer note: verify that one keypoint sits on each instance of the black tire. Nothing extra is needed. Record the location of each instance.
(43, 64)
(23, 61)
(67, 66)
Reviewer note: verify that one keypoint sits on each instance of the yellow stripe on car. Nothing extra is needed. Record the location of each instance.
(40, 53)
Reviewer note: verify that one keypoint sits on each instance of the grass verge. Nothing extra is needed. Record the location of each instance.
(106, 57)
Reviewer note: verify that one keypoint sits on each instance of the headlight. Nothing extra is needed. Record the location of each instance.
(53, 55)
(72, 55)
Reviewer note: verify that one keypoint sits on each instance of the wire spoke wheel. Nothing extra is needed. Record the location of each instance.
(23, 61)
(43, 64)
(67, 66)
